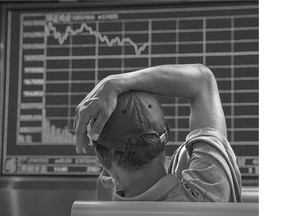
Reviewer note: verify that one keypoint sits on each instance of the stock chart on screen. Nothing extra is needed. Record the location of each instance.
(55, 57)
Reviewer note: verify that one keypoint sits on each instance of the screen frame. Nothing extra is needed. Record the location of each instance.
(36, 5)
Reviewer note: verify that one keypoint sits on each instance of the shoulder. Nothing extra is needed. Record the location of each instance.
(205, 159)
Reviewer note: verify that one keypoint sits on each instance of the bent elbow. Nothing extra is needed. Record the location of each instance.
(206, 74)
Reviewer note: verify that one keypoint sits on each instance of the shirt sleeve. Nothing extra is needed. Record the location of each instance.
(206, 179)
(207, 166)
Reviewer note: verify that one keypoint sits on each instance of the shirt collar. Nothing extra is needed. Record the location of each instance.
(157, 192)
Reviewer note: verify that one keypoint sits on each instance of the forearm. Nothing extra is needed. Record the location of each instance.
(168, 80)
(194, 82)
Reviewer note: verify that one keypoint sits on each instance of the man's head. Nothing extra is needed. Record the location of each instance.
(135, 133)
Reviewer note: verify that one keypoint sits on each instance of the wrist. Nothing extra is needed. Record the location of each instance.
(117, 83)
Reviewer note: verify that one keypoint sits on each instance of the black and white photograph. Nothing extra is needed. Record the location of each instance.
(137, 108)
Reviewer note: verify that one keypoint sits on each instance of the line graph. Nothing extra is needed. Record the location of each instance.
(102, 38)
(79, 51)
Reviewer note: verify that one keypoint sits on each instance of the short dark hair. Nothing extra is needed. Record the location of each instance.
(133, 161)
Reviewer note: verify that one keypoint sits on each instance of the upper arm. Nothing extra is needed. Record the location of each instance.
(207, 175)
(206, 108)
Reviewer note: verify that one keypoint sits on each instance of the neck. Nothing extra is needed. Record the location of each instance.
(140, 181)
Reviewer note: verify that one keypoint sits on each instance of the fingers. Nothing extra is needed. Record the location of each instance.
(98, 125)
(97, 112)
(86, 113)
(77, 111)
(82, 142)
(81, 121)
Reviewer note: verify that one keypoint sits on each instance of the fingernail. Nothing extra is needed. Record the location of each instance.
(95, 137)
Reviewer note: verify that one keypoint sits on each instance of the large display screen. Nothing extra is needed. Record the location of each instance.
(54, 57)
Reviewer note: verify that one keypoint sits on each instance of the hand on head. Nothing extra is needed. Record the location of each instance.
(95, 109)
